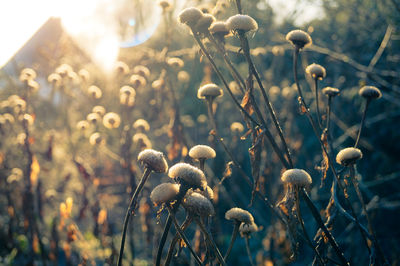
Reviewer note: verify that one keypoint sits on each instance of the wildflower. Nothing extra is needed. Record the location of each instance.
(239, 215)
(8, 118)
(299, 38)
(54, 79)
(154, 160)
(197, 204)
(121, 68)
(27, 119)
(141, 125)
(175, 62)
(142, 71)
(128, 91)
(316, 71)
(98, 109)
(219, 30)
(111, 120)
(164, 193)
(246, 229)
(164, 4)
(137, 81)
(95, 92)
(32, 85)
(84, 75)
(141, 140)
(201, 152)
(296, 177)
(237, 127)
(27, 74)
(190, 16)
(190, 175)
(370, 92)
(209, 91)
(204, 23)
(348, 156)
(208, 193)
(82, 125)
(18, 104)
(63, 70)
(93, 118)
(241, 23)
(183, 76)
(96, 139)
(332, 92)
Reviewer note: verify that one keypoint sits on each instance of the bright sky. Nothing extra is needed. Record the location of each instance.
(91, 22)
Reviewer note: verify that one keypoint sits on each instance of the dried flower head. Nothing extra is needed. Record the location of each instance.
(246, 229)
(96, 139)
(98, 109)
(237, 127)
(190, 16)
(164, 4)
(239, 215)
(142, 71)
(84, 75)
(197, 204)
(164, 193)
(235, 88)
(95, 92)
(189, 174)
(93, 118)
(141, 140)
(128, 90)
(137, 81)
(18, 104)
(208, 193)
(183, 76)
(54, 79)
(27, 74)
(204, 23)
(296, 177)
(219, 28)
(201, 152)
(370, 92)
(27, 119)
(278, 50)
(175, 62)
(63, 70)
(153, 160)
(329, 91)
(299, 38)
(111, 120)
(210, 90)
(8, 118)
(243, 23)
(348, 156)
(121, 68)
(82, 125)
(158, 84)
(141, 125)
(32, 85)
(316, 71)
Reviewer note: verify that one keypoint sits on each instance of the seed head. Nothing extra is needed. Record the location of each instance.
(299, 38)
(175, 62)
(27, 119)
(209, 91)
(370, 92)
(348, 156)
(164, 193)
(121, 68)
(219, 28)
(164, 4)
(96, 139)
(82, 125)
(63, 70)
(208, 193)
(8, 118)
(27, 74)
(316, 71)
(237, 127)
(191, 175)
(84, 75)
(158, 84)
(141, 125)
(93, 118)
(190, 16)
(137, 81)
(242, 23)
(33, 86)
(54, 79)
(296, 177)
(128, 90)
(141, 140)
(202, 152)
(197, 204)
(183, 76)
(111, 120)
(329, 91)
(239, 215)
(204, 23)
(94, 92)
(98, 109)
(246, 229)
(154, 160)
(142, 71)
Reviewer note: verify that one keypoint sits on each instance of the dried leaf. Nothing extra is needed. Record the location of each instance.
(246, 103)
(35, 169)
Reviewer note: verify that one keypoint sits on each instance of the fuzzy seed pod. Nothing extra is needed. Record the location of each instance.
(93, 118)
(370, 92)
(329, 91)
(128, 90)
(299, 38)
(158, 84)
(121, 68)
(153, 160)
(137, 81)
(96, 139)
(183, 76)
(191, 175)
(63, 70)
(175, 62)
(142, 71)
(95, 92)
(246, 229)
(54, 79)
(237, 127)
(33, 86)
(111, 120)
(316, 71)
(141, 125)
(164, 193)
(27, 74)
(100, 110)
(82, 125)
(197, 204)
(84, 75)
(242, 23)
(348, 156)
(27, 119)
(202, 152)
(141, 140)
(239, 215)
(219, 28)
(190, 16)
(8, 118)
(204, 23)
(164, 4)
(296, 177)
(208, 193)
(209, 90)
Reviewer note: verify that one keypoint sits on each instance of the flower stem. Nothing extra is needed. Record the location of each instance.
(317, 103)
(185, 225)
(362, 122)
(210, 241)
(246, 240)
(233, 238)
(131, 210)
